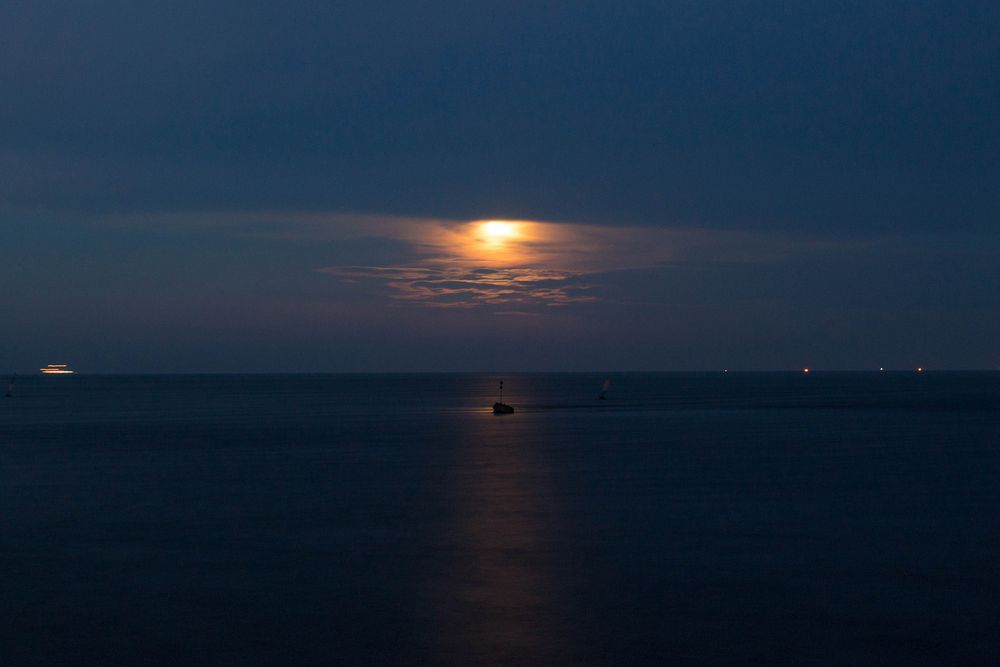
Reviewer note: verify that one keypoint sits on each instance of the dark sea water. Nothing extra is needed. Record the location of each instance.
(833, 518)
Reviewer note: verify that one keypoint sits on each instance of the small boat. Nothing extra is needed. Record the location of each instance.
(501, 408)
(604, 390)
(10, 386)
(56, 369)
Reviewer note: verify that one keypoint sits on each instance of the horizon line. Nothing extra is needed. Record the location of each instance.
(800, 371)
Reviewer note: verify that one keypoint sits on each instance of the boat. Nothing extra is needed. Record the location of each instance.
(501, 408)
(604, 390)
(10, 386)
(56, 369)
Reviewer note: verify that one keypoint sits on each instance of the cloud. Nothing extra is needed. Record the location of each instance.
(491, 264)
(504, 266)
(445, 286)
(535, 264)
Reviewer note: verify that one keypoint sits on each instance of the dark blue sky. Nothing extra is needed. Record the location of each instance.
(241, 185)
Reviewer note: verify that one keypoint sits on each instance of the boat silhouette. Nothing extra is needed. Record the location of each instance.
(604, 390)
(501, 408)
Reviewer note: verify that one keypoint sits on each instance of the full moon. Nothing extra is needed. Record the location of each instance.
(498, 231)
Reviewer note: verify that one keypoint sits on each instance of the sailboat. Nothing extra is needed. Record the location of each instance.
(501, 408)
(604, 390)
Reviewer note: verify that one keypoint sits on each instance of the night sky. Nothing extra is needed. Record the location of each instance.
(305, 186)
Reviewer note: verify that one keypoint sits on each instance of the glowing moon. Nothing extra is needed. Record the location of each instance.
(497, 231)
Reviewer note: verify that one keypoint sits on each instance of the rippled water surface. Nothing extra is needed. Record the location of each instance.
(393, 519)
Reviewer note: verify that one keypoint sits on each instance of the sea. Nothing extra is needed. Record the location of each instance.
(687, 518)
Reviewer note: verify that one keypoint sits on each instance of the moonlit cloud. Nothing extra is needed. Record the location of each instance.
(451, 264)
(505, 266)
(491, 263)
(445, 286)
(495, 264)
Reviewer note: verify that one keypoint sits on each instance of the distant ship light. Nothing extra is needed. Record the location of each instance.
(56, 369)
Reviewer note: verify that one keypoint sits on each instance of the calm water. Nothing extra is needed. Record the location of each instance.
(831, 518)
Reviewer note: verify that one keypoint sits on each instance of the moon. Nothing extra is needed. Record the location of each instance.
(496, 232)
